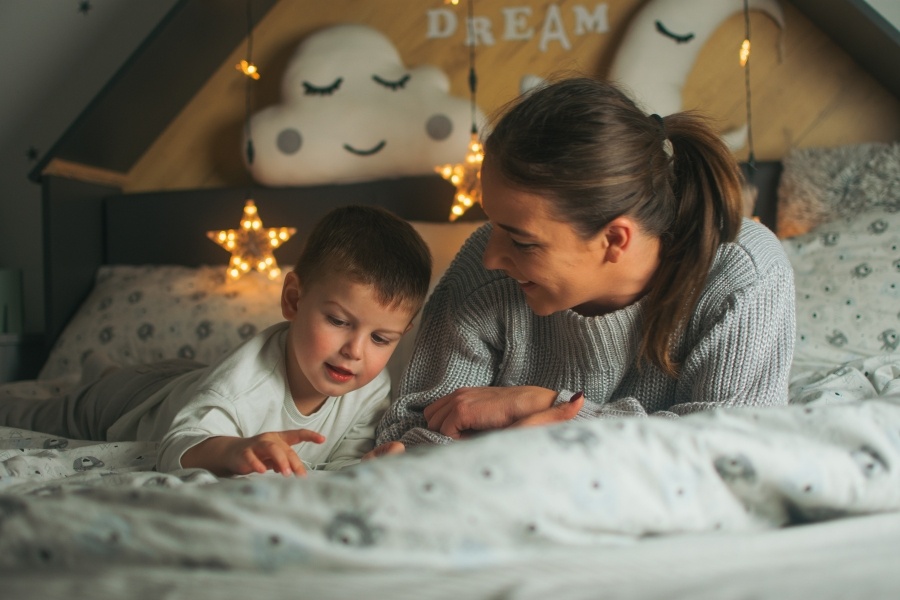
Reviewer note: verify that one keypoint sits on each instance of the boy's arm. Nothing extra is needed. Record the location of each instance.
(225, 456)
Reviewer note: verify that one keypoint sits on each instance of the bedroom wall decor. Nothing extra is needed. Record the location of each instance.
(351, 110)
(252, 244)
(661, 45)
(466, 175)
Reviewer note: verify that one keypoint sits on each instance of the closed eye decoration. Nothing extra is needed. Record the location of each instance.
(681, 39)
(392, 85)
(313, 90)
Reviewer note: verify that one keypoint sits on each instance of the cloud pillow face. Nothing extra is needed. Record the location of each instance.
(351, 111)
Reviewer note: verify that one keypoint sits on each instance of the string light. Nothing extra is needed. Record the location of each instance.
(466, 176)
(248, 69)
(744, 56)
(252, 244)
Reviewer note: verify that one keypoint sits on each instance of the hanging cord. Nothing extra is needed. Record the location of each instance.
(249, 83)
(751, 158)
(473, 79)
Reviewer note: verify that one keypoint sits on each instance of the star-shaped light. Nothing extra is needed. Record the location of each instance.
(251, 246)
(466, 177)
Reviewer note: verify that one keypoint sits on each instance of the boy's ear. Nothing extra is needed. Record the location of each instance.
(290, 295)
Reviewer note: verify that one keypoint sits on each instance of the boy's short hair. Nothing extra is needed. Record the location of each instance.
(371, 246)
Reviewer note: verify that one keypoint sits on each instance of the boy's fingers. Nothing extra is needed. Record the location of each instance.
(255, 463)
(384, 450)
(297, 466)
(295, 436)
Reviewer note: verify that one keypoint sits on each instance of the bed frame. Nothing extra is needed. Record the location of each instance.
(88, 225)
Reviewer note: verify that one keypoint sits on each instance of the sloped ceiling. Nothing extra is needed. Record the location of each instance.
(197, 35)
(155, 83)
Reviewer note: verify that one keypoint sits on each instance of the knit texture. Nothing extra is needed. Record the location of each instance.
(477, 330)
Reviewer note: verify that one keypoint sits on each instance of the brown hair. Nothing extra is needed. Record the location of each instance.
(372, 246)
(586, 146)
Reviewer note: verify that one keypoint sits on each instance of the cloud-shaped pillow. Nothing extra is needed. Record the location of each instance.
(351, 111)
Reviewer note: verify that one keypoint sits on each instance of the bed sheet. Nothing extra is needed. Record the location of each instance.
(846, 558)
(487, 507)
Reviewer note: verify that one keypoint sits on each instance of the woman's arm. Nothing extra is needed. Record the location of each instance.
(457, 355)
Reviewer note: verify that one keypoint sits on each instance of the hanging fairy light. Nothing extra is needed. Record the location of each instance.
(251, 245)
(744, 57)
(466, 176)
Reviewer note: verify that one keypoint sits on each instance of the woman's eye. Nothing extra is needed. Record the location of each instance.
(522, 245)
(392, 85)
(313, 90)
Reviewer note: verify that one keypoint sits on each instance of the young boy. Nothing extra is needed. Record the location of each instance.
(311, 387)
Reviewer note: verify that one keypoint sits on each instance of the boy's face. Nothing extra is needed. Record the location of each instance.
(340, 335)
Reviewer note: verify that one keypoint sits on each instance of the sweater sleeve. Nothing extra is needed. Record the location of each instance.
(743, 358)
(456, 347)
(737, 349)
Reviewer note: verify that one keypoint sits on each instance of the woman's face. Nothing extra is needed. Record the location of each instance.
(555, 267)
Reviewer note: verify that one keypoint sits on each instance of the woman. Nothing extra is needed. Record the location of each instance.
(616, 277)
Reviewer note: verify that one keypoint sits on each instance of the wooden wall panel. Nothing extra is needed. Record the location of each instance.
(805, 90)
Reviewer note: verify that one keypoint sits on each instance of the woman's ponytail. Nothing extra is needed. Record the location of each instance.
(706, 187)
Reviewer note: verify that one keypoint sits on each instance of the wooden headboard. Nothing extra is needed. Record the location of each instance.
(89, 225)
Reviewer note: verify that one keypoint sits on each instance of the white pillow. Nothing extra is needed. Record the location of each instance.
(847, 277)
(142, 314)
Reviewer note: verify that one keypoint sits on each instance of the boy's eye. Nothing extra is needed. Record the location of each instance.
(392, 85)
(313, 90)
(335, 321)
(379, 340)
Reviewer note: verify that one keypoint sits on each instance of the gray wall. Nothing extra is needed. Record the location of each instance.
(56, 59)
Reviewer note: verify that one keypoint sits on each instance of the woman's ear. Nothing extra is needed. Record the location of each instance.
(619, 234)
(290, 296)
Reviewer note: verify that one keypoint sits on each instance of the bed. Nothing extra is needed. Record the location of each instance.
(794, 502)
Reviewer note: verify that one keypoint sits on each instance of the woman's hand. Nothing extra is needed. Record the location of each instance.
(225, 456)
(556, 414)
(474, 409)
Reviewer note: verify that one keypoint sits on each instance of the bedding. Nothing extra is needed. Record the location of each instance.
(794, 502)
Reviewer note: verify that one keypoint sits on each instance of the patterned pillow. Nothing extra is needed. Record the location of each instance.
(141, 314)
(847, 276)
(819, 185)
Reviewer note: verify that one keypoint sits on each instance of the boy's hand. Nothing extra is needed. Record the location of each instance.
(385, 449)
(225, 456)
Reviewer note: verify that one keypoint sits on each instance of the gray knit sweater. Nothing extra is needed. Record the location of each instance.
(477, 330)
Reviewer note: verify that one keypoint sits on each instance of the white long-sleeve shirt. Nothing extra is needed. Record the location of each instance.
(477, 330)
(246, 394)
